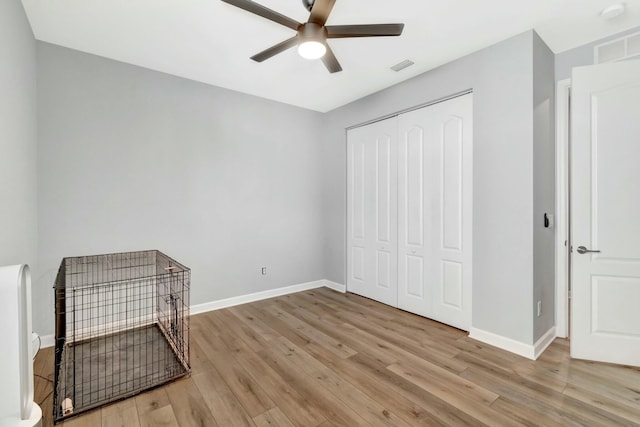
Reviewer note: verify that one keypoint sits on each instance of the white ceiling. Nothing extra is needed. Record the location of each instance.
(211, 41)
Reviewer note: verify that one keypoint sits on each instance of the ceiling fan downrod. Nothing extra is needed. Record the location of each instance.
(308, 4)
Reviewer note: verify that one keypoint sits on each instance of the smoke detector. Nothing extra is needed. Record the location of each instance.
(612, 11)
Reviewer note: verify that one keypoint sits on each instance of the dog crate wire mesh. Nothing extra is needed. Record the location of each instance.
(122, 326)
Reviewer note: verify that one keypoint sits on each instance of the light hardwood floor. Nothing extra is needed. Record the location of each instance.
(321, 358)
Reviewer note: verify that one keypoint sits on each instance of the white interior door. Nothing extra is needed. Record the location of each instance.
(434, 211)
(605, 206)
(372, 257)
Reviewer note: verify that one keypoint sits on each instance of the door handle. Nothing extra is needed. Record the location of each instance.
(583, 250)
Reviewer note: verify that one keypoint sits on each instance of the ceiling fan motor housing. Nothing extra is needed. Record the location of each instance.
(312, 32)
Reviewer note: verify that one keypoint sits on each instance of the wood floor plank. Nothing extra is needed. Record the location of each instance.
(91, 418)
(161, 417)
(315, 394)
(247, 390)
(43, 383)
(297, 356)
(46, 404)
(151, 400)
(188, 405)
(539, 398)
(218, 335)
(273, 418)
(327, 342)
(258, 311)
(238, 328)
(373, 412)
(309, 303)
(199, 360)
(488, 352)
(405, 349)
(154, 409)
(322, 358)
(359, 345)
(391, 333)
(557, 354)
(418, 327)
(623, 386)
(369, 409)
(609, 374)
(260, 328)
(223, 404)
(355, 305)
(458, 395)
(530, 416)
(442, 381)
(295, 406)
(620, 408)
(419, 344)
(551, 375)
(121, 414)
(414, 404)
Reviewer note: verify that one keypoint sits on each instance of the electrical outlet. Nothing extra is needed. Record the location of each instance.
(264, 271)
(539, 308)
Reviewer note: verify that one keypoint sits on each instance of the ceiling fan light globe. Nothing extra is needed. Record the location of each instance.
(312, 49)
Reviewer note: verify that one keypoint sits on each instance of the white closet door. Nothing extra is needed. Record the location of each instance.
(434, 211)
(372, 258)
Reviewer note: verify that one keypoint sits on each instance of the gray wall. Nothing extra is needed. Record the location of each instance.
(543, 186)
(501, 77)
(132, 159)
(18, 225)
(582, 55)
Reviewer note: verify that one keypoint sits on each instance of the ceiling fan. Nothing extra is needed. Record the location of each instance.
(311, 37)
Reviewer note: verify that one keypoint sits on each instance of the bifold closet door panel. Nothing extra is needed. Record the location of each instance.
(435, 162)
(414, 158)
(372, 257)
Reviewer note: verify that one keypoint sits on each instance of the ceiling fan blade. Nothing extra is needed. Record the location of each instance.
(320, 11)
(372, 30)
(330, 61)
(265, 12)
(276, 49)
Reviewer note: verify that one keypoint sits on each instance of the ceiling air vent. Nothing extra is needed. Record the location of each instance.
(402, 65)
(619, 49)
(633, 44)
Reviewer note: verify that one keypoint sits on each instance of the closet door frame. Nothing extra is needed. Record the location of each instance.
(465, 271)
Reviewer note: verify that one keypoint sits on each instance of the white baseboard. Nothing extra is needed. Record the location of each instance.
(49, 340)
(545, 341)
(244, 299)
(525, 350)
(504, 343)
(335, 286)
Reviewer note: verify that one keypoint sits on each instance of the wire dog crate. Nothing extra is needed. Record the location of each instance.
(122, 326)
